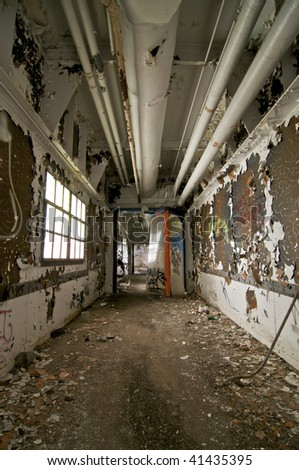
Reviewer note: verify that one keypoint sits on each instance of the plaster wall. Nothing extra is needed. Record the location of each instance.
(261, 322)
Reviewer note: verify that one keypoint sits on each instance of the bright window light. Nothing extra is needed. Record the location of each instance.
(65, 226)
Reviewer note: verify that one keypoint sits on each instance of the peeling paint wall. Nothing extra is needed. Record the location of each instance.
(246, 240)
(36, 299)
(16, 165)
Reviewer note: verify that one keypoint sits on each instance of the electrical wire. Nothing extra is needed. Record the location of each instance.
(236, 378)
(18, 219)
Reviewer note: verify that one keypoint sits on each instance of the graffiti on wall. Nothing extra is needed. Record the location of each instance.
(6, 334)
(154, 276)
(176, 258)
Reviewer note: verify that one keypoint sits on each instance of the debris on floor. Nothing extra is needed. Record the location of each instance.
(149, 377)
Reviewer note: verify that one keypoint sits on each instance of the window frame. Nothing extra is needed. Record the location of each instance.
(67, 230)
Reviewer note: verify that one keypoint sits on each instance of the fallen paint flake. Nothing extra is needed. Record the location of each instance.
(292, 379)
(54, 418)
(184, 357)
(63, 375)
(260, 435)
(41, 372)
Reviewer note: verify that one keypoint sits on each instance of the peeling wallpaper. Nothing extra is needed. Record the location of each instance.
(248, 229)
(283, 164)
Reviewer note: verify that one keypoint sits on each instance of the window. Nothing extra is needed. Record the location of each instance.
(65, 226)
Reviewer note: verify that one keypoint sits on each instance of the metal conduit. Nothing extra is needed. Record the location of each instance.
(95, 53)
(87, 69)
(245, 22)
(272, 49)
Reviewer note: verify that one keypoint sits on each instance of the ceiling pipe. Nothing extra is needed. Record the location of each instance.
(110, 31)
(244, 24)
(198, 84)
(149, 36)
(99, 66)
(279, 38)
(90, 78)
(114, 15)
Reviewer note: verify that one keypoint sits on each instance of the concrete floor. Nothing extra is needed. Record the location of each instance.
(138, 371)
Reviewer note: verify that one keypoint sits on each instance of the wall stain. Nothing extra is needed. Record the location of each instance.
(251, 300)
(51, 305)
(78, 300)
(26, 52)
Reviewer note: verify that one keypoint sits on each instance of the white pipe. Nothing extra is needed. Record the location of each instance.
(89, 31)
(197, 86)
(272, 49)
(114, 14)
(110, 31)
(93, 87)
(245, 22)
(149, 33)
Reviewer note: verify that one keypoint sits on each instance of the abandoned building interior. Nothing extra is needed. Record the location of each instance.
(156, 138)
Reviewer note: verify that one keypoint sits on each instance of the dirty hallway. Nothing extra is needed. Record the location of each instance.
(137, 370)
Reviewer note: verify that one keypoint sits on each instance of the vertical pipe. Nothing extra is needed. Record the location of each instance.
(114, 241)
(167, 287)
(130, 258)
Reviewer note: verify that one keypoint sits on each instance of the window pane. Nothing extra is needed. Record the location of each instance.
(72, 248)
(74, 205)
(66, 199)
(47, 247)
(77, 252)
(83, 214)
(56, 246)
(50, 187)
(78, 230)
(50, 213)
(65, 228)
(58, 221)
(82, 231)
(58, 193)
(61, 222)
(81, 249)
(79, 204)
(74, 228)
(64, 246)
